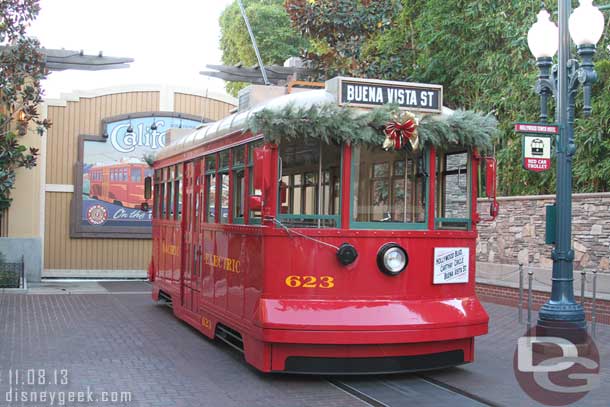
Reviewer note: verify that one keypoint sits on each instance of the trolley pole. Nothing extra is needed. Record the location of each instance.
(254, 45)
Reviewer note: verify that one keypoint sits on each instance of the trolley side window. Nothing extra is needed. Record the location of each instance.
(162, 195)
(178, 192)
(309, 191)
(156, 199)
(254, 216)
(169, 193)
(210, 184)
(238, 157)
(453, 190)
(388, 188)
(223, 185)
(136, 174)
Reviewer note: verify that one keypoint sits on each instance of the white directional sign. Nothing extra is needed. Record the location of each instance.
(536, 152)
(451, 265)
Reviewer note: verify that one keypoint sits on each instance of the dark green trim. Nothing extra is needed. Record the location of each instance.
(313, 217)
(438, 221)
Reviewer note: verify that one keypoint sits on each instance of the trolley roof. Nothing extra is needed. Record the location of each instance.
(212, 131)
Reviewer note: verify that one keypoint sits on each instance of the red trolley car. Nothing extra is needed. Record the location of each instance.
(319, 258)
(121, 184)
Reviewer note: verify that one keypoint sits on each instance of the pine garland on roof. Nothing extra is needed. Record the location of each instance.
(331, 123)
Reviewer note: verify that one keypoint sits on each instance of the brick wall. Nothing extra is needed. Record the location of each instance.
(510, 296)
(517, 235)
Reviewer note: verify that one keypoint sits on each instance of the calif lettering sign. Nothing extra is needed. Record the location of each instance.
(371, 93)
(148, 132)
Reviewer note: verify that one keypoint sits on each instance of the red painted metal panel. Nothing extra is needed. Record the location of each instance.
(287, 295)
(382, 315)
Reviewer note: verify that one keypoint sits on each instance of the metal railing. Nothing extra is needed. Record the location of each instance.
(583, 285)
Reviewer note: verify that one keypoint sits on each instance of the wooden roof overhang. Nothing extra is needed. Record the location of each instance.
(63, 59)
(277, 75)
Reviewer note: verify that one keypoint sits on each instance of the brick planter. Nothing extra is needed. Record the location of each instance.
(10, 275)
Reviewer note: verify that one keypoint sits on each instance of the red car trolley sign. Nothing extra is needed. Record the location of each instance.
(536, 145)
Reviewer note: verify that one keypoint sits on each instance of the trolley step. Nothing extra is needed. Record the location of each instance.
(230, 336)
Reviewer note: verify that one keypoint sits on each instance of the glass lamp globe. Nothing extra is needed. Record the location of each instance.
(586, 24)
(543, 37)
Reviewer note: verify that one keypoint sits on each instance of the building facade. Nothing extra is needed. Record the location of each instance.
(79, 213)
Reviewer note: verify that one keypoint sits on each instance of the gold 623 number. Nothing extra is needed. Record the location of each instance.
(310, 282)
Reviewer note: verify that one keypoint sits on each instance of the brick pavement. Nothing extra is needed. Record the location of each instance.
(123, 342)
(491, 375)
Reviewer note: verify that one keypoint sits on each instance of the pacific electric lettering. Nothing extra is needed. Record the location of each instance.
(378, 95)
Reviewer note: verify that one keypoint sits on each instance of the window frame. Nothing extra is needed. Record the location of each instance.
(207, 190)
(178, 193)
(163, 195)
(156, 193)
(234, 170)
(250, 146)
(438, 221)
(225, 170)
(336, 218)
(423, 225)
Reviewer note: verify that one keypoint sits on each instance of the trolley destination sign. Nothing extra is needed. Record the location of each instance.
(419, 97)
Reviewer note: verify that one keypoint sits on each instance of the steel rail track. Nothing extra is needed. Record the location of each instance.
(403, 395)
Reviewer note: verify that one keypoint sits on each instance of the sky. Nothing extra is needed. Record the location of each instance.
(171, 41)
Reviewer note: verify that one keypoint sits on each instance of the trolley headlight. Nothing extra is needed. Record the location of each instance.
(392, 259)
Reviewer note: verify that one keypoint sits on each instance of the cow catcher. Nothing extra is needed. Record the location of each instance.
(330, 230)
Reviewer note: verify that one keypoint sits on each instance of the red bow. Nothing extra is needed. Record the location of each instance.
(400, 132)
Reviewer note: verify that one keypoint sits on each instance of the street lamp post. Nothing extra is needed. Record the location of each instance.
(586, 26)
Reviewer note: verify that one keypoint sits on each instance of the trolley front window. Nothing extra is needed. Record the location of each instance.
(453, 190)
(389, 188)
